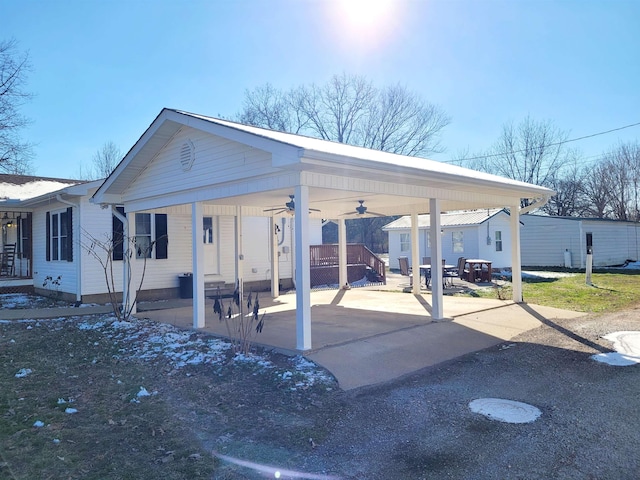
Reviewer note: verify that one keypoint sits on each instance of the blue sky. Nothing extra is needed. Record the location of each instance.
(103, 70)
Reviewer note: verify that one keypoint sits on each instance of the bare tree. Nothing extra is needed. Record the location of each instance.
(532, 151)
(596, 190)
(15, 154)
(622, 173)
(569, 200)
(349, 109)
(103, 162)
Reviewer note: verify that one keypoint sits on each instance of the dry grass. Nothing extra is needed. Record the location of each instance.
(227, 406)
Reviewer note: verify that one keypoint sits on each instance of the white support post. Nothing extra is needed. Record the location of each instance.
(199, 306)
(516, 268)
(275, 259)
(436, 260)
(128, 264)
(303, 267)
(343, 276)
(239, 254)
(415, 253)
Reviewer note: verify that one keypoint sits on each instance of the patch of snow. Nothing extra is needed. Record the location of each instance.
(508, 411)
(535, 274)
(23, 372)
(627, 349)
(61, 401)
(31, 189)
(143, 392)
(70, 410)
(38, 424)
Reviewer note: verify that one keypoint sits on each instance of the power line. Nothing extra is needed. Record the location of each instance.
(481, 157)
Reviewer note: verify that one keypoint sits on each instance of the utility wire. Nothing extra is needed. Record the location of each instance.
(481, 157)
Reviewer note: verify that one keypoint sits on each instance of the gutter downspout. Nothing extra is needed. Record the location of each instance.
(78, 256)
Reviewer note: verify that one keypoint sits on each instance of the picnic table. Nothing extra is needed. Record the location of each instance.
(479, 269)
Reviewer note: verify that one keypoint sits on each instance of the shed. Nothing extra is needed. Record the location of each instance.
(562, 241)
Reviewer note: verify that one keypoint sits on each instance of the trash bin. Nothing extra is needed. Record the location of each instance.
(186, 285)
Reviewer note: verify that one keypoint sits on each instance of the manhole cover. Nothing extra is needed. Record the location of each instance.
(508, 411)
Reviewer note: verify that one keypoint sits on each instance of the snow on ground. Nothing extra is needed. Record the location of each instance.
(627, 349)
(147, 341)
(508, 411)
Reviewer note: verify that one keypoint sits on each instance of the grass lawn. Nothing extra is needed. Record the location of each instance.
(609, 291)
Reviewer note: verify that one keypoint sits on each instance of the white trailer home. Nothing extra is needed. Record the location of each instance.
(482, 234)
(60, 247)
(563, 241)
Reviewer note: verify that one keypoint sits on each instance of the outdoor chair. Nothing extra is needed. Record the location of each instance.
(448, 275)
(7, 265)
(405, 269)
(462, 272)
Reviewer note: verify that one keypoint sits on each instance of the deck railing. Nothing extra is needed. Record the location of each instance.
(361, 262)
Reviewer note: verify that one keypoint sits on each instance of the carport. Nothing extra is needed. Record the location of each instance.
(189, 159)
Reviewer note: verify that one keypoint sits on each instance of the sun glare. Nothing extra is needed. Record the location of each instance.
(365, 13)
(367, 22)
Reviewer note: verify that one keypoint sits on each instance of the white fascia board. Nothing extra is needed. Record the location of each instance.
(452, 174)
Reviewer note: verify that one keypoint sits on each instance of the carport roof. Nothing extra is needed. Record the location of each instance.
(339, 174)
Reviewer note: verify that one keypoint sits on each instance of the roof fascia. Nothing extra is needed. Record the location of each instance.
(345, 162)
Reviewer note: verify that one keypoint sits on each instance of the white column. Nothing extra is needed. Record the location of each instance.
(129, 263)
(415, 253)
(436, 260)
(516, 268)
(275, 259)
(197, 248)
(343, 277)
(303, 266)
(239, 254)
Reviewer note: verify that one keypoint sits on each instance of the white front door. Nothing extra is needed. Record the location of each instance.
(211, 242)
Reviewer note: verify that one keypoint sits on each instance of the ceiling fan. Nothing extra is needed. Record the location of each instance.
(361, 210)
(289, 207)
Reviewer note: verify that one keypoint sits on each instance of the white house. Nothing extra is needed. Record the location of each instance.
(482, 234)
(563, 241)
(59, 235)
(194, 162)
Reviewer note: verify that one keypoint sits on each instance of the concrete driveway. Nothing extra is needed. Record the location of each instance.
(370, 335)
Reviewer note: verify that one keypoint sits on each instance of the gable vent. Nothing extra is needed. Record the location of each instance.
(187, 155)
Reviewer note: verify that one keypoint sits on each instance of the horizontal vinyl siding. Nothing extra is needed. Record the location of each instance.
(544, 240)
(216, 161)
(612, 244)
(97, 224)
(43, 268)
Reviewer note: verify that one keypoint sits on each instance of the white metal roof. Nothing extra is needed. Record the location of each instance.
(451, 219)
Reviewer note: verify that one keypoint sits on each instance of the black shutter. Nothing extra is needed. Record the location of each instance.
(19, 239)
(48, 241)
(162, 240)
(118, 236)
(70, 234)
(26, 241)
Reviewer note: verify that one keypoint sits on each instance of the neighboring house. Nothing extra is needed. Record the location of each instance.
(63, 225)
(481, 234)
(563, 241)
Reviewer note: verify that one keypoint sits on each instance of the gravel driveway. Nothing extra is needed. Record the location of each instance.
(421, 426)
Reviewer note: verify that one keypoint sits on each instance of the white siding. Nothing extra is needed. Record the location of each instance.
(54, 269)
(475, 243)
(216, 161)
(545, 240)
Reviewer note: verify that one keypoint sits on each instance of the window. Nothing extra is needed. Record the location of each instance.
(117, 236)
(457, 241)
(405, 242)
(498, 236)
(59, 240)
(151, 234)
(207, 230)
